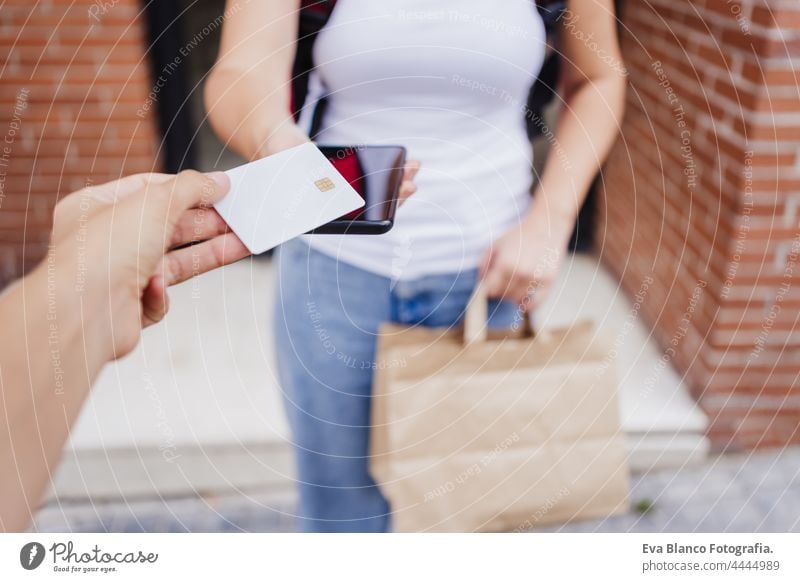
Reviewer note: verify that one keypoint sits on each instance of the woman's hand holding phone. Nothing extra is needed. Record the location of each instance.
(290, 135)
(408, 187)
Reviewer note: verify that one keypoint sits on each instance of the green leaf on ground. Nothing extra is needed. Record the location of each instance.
(643, 506)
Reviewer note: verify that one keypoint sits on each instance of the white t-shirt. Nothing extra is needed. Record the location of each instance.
(449, 80)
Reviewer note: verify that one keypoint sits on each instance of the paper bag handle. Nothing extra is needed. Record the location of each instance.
(476, 317)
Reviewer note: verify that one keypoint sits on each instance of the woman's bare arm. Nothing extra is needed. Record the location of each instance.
(522, 265)
(593, 92)
(248, 91)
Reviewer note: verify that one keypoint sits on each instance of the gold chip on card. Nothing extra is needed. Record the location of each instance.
(325, 184)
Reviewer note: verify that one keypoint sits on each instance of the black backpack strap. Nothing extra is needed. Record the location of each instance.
(543, 89)
(550, 12)
(313, 16)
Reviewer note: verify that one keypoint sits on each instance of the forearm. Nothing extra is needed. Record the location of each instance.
(51, 354)
(251, 115)
(587, 128)
(248, 92)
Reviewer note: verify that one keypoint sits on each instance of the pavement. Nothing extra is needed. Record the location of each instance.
(197, 406)
(752, 492)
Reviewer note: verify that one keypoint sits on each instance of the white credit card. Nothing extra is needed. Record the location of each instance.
(277, 198)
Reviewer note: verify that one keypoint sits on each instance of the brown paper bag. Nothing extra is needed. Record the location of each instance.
(497, 433)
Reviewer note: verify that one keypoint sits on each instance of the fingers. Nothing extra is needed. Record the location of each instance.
(510, 285)
(88, 201)
(191, 189)
(498, 281)
(408, 188)
(196, 225)
(185, 263)
(506, 281)
(111, 192)
(486, 262)
(522, 291)
(411, 169)
(188, 185)
(499, 277)
(537, 296)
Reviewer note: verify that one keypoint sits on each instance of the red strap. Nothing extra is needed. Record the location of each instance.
(317, 5)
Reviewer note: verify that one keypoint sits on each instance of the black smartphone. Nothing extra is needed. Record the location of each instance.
(376, 173)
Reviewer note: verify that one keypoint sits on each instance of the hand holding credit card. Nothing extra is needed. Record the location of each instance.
(277, 198)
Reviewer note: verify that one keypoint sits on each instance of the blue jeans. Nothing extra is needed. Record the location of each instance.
(327, 316)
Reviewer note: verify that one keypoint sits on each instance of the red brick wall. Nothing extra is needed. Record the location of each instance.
(703, 193)
(72, 78)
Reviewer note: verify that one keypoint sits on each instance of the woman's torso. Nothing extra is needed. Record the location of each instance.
(449, 80)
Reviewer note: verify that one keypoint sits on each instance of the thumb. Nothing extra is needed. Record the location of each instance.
(155, 301)
(191, 189)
